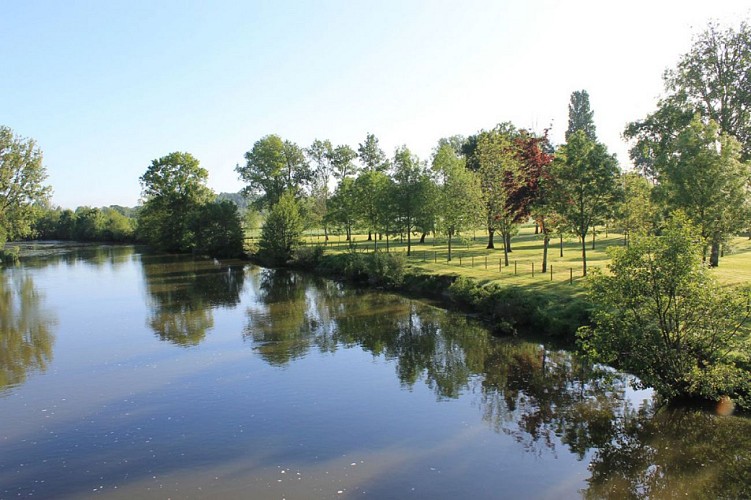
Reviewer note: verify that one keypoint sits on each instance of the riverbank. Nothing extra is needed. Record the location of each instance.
(507, 309)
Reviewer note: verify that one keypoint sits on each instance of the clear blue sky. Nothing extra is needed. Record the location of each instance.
(107, 86)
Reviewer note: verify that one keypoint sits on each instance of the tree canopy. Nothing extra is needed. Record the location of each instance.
(580, 115)
(22, 189)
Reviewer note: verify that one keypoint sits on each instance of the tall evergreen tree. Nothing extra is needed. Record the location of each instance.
(580, 115)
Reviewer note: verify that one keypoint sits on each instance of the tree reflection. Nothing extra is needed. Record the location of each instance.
(671, 453)
(183, 292)
(282, 325)
(41, 254)
(26, 338)
(547, 400)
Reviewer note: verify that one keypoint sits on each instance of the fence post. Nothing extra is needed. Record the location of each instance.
(551, 272)
(460, 261)
(500, 265)
(435, 257)
(486, 262)
(533, 269)
(570, 275)
(514, 268)
(473, 261)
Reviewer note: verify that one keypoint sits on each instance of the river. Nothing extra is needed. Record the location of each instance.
(133, 375)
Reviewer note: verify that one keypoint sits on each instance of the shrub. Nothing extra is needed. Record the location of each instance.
(308, 257)
(282, 231)
(386, 269)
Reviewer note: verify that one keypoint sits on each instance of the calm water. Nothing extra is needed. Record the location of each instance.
(128, 375)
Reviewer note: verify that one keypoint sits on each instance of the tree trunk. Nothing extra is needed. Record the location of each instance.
(545, 242)
(584, 255)
(491, 232)
(537, 228)
(370, 235)
(561, 245)
(450, 233)
(422, 238)
(507, 241)
(714, 254)
(505, 251)
(409, 239)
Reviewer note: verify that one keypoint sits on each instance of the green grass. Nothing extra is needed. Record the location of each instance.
(473, 260)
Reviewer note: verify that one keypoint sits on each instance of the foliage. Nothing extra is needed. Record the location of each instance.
(636, 214)
(660, 316)
(106, 224)
(274, 166)
(386, 269)
(580, 116)
(21, 185)
(585, 185)
(343, 206)
(500, 175)
(371, 155)
(217, 230)
(372, 194)
(509, 308)
(342, 158)
(308, 257)
(413, 193)
(460, 203)
(282, 231)
(174, 186)
(714, 79)
(707, 182)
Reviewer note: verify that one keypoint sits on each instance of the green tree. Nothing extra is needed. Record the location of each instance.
(499, 172)
(371, 155)
(636, 213)
(705, 178)
(660, 316)
(282, 230)
(117, 226)
(585, 185)
(217, 229)
(344, 206)
(173, 187)
(580, 115)
(272, 167)
(22, 191)
(460, 204)
(714, 79)
(320, 154)
(342, 161)
(412, 191)
(371, 189)
(90, 224)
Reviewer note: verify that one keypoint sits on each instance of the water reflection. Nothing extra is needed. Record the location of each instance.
(525, 389)
(673, 453)
(543, 398)
(39, 254)
(26, 336)
(183, 291)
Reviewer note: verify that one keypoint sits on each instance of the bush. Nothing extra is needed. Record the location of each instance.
(9, 256)
(386, 269)
(694, 349)
(282, 231)
(308, 257)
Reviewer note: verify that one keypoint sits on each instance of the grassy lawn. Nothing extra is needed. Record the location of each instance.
(472, 259)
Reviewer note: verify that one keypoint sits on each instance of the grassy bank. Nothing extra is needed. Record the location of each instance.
(513, 297)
